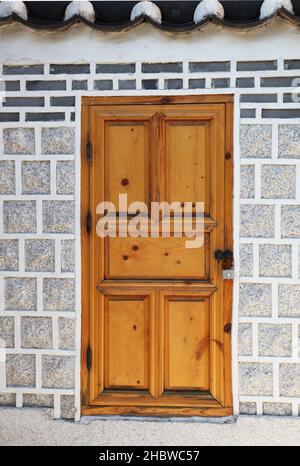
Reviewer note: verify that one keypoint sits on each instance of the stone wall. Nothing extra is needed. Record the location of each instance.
(39, 277)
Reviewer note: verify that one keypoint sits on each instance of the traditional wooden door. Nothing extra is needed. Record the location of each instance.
(156, 315)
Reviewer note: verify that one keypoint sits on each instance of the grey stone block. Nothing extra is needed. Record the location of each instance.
(197, 83)
(111, 68)
(248, 113)
(127, 84)
(80, 85)
(256, 141)
(285, 81)
(7, 331)
(247, 180)
(103, 85)
(256, 379)
(20, 294)
(40, 255)
(67, 406)
(244, 82)
(246, 260)
(277, 409)
(69, 69)
(20, 370)
(68, 256)
(19, 216)
(58, 371)
(220, 83)
(36, 332)
(58, 141)
(292, 64)
(248, 408)
(12, 86)
(36, 177)
(46, 85)
(24, 102)
(9, 117)
(257, 221)
(7, 177)
(281, 113)
(38, 400)
(289, 301)
(9, 255)
(45, 116)
(19, 141)
(278, 181)
(289, 380)
(173, 83)
(259, 98)
(275, 340)
(209, 67)
(256, 65)
(175, 67)
(275, 260)
(66, 334)
(290, 221)
(7, 399)
(22, 69)
(58, 216)
(245, 339)
(150, 84)
(65, 177)
(255, 300)
(59, 294)
(289, 141)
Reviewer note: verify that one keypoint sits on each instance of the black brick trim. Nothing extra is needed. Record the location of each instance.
(212, 67)
(292, 65)
(115, 68)
(220, 83)
(281, 113)
(23, 69)
(9, 117)
(197, 83)
(245, 82)
(175, 67)
(127, 84)
(248, 113)
(173, 84)
(69, 69)
(257, 65)
(11, 86)
(103, 85)
(279, 82)
(24, 102)
(80, 85)
(259, 98)
(55, 116)
(149, 84)
(63, 101)
(46, 85)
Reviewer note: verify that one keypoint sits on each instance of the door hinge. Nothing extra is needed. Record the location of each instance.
(88, 222)
(89, 151)
(88, 358)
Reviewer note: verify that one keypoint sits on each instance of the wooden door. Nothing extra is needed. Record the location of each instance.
(156, 315)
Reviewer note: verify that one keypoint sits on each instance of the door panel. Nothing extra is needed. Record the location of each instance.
(127, 342)
(186, 343)
(155, 312)
(186, 161)
(127, 160)
(138, 258)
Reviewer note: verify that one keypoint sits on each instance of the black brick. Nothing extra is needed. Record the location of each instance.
(24, 102)
(197, 83)
(11, 86)
(220, 83)
(103, 85)
(292, 64)
(214, 66)
(63, 101)
(69, 69)
(18, 69)
(46, 85)
(162, 67)
(150, 84)
(257, 65)
(259, 98)
(173, 84)
(248, 113)
(283, 113)
(128, 84)
(58, 116)
(9, 117)
(73, 116)
(292, 98)
(115, 68)
(80, 85)
(278, 82)
(244, 82)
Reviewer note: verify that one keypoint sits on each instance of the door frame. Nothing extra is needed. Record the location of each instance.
(214, 410)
